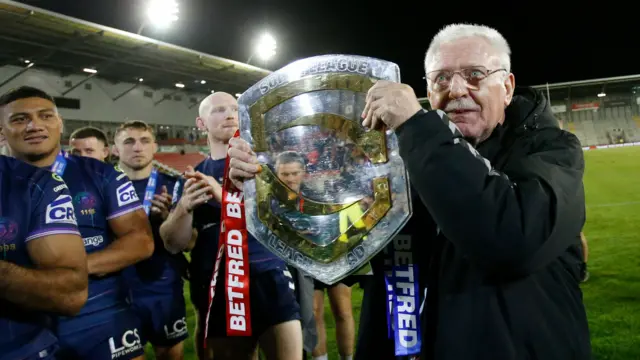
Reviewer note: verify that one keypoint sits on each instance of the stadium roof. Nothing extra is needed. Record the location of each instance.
(68, 45)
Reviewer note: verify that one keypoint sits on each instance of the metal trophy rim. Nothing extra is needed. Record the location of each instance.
(301, 69)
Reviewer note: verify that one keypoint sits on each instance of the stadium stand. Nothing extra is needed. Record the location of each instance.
(135, 77)
(178, 162)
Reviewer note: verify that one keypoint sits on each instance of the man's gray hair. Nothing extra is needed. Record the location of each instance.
(459, 31)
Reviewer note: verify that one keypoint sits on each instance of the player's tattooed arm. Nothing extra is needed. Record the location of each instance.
(59, 281)
(133, 243)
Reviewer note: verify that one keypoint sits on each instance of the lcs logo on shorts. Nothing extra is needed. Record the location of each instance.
(60, 211)
(126, 194)
(178, 329)
(127, 344)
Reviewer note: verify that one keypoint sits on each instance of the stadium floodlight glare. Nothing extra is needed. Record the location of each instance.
(180, 85)
(602, 94)
(203, 82)
(90, 71)
(27, 61)
(141, 79)
(162, 13)
(266, 48)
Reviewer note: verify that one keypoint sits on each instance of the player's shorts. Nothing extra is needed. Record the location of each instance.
(41, 353)
(163, 317)
(102, 336)
(349, 281)
(272, 301)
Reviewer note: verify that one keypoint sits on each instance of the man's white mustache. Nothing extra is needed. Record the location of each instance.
(461, 104)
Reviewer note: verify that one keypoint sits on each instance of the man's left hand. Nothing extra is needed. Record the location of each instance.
(389, 103)
(217, 187)
(161, 203)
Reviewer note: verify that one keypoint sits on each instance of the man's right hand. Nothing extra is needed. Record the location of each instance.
(196, 192)
(243, 164)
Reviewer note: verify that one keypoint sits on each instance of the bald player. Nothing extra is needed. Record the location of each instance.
(275, 313)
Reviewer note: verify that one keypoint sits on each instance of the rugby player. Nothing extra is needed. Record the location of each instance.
(156, 284)
(90, 142)
(274, 309)
(43, 265)
(110, 218)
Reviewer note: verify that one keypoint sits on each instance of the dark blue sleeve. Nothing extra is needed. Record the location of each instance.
(52, 208)
(119, 194)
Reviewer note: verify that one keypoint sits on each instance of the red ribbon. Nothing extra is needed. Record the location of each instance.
(234, 241)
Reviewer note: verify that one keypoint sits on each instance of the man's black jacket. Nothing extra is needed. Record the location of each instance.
(503, 270)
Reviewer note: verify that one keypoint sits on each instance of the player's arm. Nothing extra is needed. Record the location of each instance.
(133, 243)
(133, 239)
(57, 282)
(177, 231)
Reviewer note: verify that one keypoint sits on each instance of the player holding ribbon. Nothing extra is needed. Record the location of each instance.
(252, 300)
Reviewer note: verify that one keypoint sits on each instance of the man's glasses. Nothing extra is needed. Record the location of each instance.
(441, 79)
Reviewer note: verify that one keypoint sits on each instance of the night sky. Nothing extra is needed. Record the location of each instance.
(551, 42)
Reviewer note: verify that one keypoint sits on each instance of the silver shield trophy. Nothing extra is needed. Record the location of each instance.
(331, 194)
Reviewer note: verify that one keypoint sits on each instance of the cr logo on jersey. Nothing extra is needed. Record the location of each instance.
(60, 211)
(126, 194)
(129, 343)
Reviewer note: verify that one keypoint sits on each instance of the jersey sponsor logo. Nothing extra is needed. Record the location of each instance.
(178, 329)
(56, 177)
(8, 233)
(128, 343)
(60, 211)
(126, 194)
(60, 188)
(93, 241)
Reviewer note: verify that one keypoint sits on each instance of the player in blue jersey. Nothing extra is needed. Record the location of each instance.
(274, 309)
(156, 285)
(43, 265)
(90, 142)
(110, 218)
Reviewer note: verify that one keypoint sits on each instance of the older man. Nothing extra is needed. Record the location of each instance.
(503, 184)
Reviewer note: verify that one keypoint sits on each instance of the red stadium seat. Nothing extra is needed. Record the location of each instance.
(178, 161)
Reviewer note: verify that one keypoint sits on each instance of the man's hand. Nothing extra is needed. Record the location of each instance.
(210, 181)
(161, 203)
(243, 164)
(389, 103)
(196, 192)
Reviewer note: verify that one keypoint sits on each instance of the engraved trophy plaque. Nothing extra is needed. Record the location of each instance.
(331, 193)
